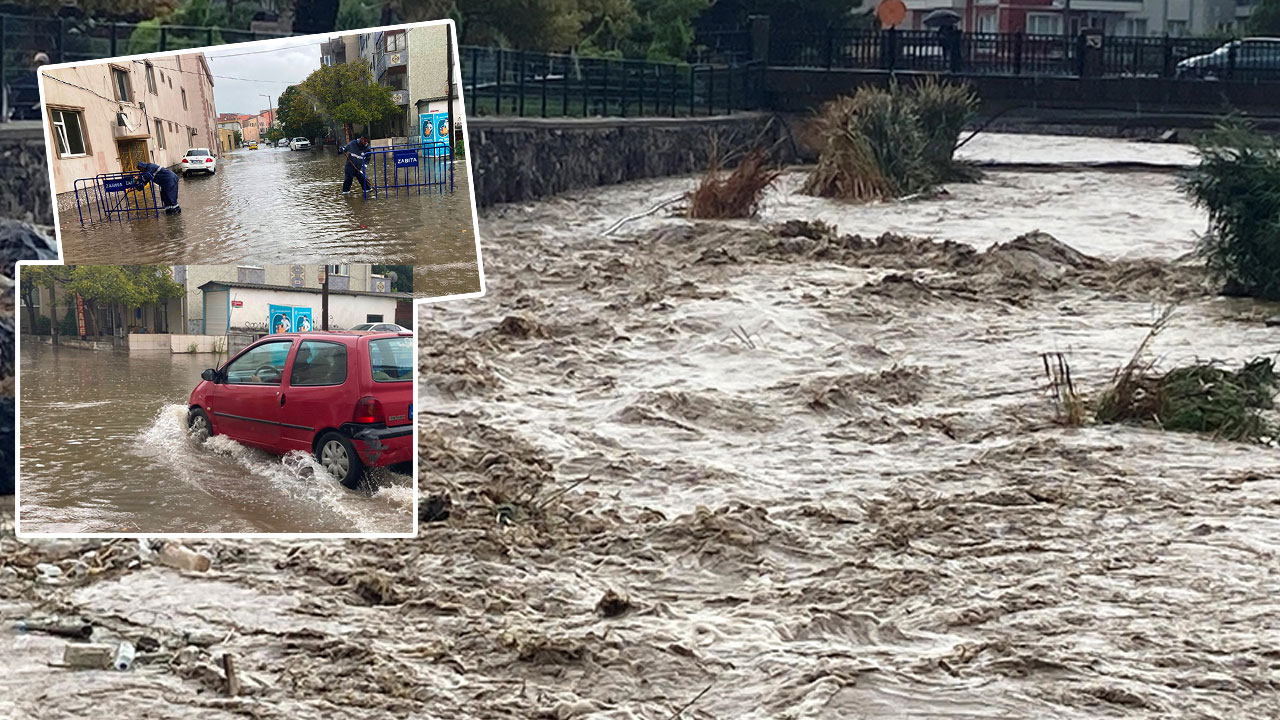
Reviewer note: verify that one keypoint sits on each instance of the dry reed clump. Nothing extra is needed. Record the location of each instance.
(737, 195)
(881, 144)
(1202, 397)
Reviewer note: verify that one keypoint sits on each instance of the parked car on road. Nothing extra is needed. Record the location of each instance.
(1247, 59)
(300, 143)
(345, 397)
(284, 142)
(379, 327)
(253, 145)
(198, 160)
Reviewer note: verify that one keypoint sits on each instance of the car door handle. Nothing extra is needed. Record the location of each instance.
(281, 399)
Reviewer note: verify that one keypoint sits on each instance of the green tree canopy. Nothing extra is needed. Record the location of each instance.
(1265, 19)
(127, 285)
(347, 94)
(297, 115)
(403, 273)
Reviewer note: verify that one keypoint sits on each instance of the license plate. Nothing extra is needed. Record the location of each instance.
(196, 162)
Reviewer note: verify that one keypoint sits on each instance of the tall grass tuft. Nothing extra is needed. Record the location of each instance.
(736, 195)
(881, 144)
(1238, 183)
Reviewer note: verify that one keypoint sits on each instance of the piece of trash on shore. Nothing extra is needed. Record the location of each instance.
(78, 631)
(88, 657)
(612, 605)
(124, 656)
(184, 558)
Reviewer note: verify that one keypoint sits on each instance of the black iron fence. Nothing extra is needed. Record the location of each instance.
(530, 84)
(1024, 54)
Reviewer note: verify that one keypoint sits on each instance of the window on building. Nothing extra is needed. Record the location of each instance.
(395, 42)
(337, 269)
(151, 78)
(170, 82)
(160, 133)
(987, 23)
(1177, 28)
(68, 126)
(184, 98)
(373, 318)
(1044, 24)
(124, 90)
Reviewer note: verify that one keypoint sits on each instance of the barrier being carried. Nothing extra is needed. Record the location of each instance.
(410, 167)
(115, 196)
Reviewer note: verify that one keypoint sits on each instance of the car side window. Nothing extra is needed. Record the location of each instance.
(262, 365)
(319, 363)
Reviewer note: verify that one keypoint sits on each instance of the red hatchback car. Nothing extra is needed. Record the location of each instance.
(346, 397)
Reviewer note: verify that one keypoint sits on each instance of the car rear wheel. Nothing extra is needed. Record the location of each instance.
(338, 456)
(198, 425)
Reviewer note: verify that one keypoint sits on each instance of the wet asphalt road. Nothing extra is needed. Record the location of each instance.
(276, 206)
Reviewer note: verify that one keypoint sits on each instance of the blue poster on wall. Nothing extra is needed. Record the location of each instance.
(435, 133)
(286, 318)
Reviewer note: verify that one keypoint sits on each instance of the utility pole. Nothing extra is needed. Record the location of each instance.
(271, 113)
(324, 298)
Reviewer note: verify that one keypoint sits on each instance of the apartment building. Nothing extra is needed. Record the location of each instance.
(107, 117)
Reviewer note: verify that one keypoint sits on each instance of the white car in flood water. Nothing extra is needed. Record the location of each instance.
(198, 160)
(300, 143)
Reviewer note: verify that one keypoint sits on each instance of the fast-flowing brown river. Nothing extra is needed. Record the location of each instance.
(274, 206)
(105, 449)
(823, 472)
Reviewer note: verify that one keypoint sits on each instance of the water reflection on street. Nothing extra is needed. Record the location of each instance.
(274, 206)
(105, 449)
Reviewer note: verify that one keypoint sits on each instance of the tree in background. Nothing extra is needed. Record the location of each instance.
(356, 14)
(297, 115)
(49, 277)
(314, 16)
(666, 29)
(1265, 19)
(274, 135)
(403, 276)
(347, 94)
(237, 137)
(120, 287)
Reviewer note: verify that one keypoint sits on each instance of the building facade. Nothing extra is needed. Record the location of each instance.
(1176, 18)
(413, 64)
(107, 117)
(249, 128)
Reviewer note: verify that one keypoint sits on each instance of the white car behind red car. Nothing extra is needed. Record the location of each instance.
(198, 160)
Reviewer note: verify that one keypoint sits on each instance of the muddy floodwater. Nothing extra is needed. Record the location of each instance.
(105, 449)
(760, 472)
(276, 206)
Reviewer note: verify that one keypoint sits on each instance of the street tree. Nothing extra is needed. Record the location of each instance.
(1265, 19)
(298, 116)
(347, 94)
(119, 287)
(235, 135)
(403, 276)
(274, 135)
(35, 277)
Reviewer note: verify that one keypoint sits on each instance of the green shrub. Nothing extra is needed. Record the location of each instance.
(880, 144)
(1238, 183)
(43, 325)
(1196, 398)
(69, 326)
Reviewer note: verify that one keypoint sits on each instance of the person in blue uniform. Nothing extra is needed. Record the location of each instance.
(354, 151)
(165, 179)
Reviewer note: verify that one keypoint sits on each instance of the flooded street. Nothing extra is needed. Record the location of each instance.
(818, 469)
(105, 449)
(276, 206)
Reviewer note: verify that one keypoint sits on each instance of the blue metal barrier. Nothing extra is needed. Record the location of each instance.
(409, 167)
(113, 196)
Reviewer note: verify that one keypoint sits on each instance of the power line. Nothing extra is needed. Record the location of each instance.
(259, 52)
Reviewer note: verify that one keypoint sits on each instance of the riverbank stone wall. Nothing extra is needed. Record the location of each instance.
(516, 159)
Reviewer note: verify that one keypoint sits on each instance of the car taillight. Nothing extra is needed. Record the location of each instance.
(184, 159)
(368, 410)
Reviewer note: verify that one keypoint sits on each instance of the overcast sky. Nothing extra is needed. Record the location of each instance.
(264, 68)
